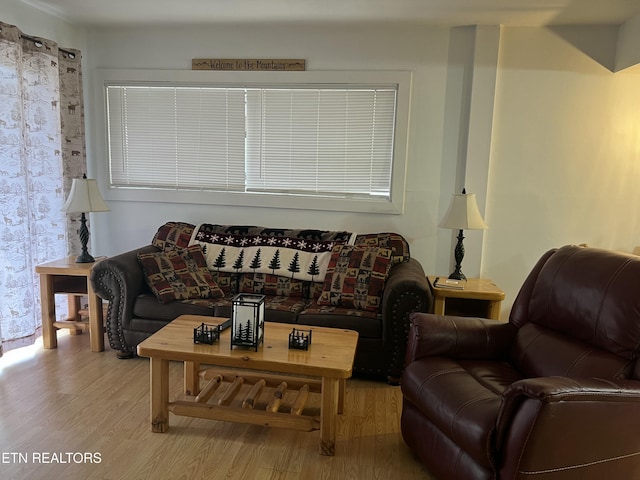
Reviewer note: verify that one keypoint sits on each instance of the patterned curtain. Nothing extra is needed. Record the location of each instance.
(42, 148)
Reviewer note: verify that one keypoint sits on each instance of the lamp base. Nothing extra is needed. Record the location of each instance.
(84, 257)
(457, 276)
(459, 255)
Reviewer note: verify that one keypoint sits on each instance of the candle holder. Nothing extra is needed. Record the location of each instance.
(300, 339)
(206, 333)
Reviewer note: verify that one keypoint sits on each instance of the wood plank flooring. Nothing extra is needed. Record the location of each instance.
(74, 406)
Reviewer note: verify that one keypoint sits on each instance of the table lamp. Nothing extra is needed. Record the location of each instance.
(84, 197)
(463, 214)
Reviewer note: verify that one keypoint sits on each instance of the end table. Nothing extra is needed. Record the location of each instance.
(476, 290)
(68, 277)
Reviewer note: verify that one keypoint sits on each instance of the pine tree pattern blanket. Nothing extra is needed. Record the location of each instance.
(299, 254)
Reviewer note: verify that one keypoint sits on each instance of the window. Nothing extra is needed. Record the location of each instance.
(297, 140)
(176, 137)
(320, 141)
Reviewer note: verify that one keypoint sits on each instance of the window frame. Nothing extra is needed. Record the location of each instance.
(395, 205)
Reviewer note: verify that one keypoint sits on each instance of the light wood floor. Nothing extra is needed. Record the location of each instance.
(71, 401)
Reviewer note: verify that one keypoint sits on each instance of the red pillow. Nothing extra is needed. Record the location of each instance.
(355, 277)
(179, 275)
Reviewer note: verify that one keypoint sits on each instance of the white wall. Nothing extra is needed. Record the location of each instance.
(566, 155)
(34, 22)
(423, 51)
(563, 164)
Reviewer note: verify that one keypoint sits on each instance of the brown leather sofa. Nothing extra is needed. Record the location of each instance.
(134, 313)
(551, 394)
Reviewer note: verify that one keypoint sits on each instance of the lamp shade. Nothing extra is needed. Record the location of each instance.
(84, 197)
(463, 213)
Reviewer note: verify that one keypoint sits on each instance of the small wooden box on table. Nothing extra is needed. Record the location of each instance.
(479, 297)
(65, 276)
(323, 368)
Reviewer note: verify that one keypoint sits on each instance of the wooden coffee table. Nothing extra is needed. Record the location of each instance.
(324, 369)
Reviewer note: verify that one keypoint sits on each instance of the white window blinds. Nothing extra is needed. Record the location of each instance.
(293, 140)
(333, 142)
(176, 137)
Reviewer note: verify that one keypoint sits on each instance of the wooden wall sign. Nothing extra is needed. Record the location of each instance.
(250, 64)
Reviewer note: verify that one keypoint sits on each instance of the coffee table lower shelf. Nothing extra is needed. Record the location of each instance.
(271, 415)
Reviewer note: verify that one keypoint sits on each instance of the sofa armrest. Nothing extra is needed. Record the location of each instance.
(558, 423)
(120, 280)
(458, 337)
(406, 290)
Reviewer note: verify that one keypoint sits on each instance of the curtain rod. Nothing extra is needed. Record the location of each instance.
(38, 41)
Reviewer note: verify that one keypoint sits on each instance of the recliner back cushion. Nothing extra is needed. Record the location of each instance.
(583, 315)
(540, 352)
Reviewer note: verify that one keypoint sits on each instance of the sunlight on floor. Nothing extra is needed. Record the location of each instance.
(19, 355)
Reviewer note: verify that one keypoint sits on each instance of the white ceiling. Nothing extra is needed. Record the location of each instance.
(440, 12)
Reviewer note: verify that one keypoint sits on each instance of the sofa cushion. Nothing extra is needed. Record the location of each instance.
(367, 324)
(178, 275)
(355, 277)
(147, 306)
(277, 309)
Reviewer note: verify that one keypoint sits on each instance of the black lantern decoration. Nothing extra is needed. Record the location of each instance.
(300, 339)
(247, 326)
(206, 334)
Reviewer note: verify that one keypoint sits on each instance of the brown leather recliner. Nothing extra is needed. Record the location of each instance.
(552, 394)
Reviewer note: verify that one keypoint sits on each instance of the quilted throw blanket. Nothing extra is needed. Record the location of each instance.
(299, 254)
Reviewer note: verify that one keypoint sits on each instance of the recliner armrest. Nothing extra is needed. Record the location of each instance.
(458, 337)
(558, 424)
(560, 389)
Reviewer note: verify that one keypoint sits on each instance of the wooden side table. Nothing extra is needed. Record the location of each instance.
(477, 290)
(65, 276)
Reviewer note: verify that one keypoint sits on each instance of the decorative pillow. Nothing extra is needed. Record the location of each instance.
(173, 235)
(179, 275)
(393, 241)
(355, 277)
